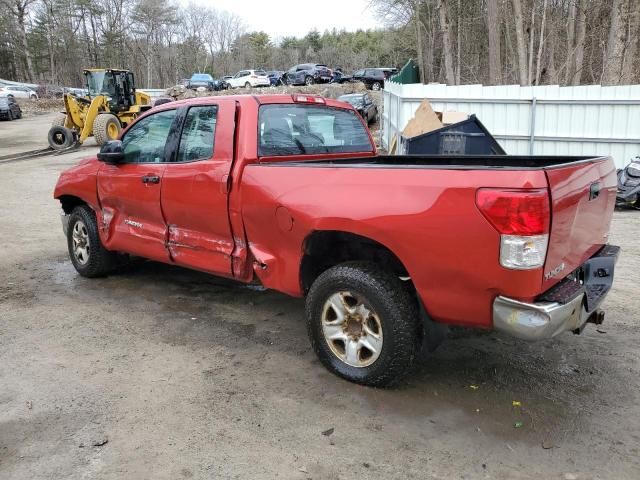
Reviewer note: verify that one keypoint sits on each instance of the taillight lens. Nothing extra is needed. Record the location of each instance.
(522, 217)
(515, 212)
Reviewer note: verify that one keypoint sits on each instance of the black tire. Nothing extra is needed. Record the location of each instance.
(100, 261)
(396, 308)
(309, 81)
(102, 124)
(19, 114)
(60, 120)
(9, 115)
(60, 138)
(247, 85)
(376, 86)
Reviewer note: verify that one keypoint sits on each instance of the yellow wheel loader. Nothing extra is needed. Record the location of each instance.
(111, 104)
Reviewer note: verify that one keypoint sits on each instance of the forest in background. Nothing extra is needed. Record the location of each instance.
(493, 42)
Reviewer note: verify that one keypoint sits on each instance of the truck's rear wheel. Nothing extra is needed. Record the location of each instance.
(362, 323)
(60, 138)
(106, 127)
(87, 254)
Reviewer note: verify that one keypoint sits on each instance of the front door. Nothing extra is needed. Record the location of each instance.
(194, 189)
(129, 192)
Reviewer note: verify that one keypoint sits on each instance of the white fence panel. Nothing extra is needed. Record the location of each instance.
(545, 120)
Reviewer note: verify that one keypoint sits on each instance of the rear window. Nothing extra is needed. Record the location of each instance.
(309, 129)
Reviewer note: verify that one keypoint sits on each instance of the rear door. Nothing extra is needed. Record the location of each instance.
(195, 189)
(129, 192)
(583, 196)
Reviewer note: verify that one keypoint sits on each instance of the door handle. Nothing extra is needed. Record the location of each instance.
(150, 179)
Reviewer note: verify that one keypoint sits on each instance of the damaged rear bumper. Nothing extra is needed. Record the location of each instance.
(567, 306)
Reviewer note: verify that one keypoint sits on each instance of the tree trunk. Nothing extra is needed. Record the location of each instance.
(493, 29)
(522, 49)
(445, 29)
(571, 39)
(532, 34)
(541, 42)
(614, 56)
(628, 70)
(578, 55)
(421, 64)
(21, 14)
(459, 46)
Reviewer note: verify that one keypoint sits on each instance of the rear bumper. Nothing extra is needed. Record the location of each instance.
(568, 306)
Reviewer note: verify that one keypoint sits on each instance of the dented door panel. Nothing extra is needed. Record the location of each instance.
(194, 198)
(131, 219)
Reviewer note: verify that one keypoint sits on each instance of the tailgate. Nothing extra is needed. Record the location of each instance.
(583, 196)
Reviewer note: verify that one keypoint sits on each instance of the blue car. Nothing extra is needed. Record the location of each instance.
(203, 80)
(275, 77)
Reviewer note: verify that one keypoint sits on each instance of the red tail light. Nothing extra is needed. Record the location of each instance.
(515, 212)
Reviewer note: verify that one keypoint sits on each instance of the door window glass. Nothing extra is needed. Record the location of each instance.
(198, 134)
(146, 140)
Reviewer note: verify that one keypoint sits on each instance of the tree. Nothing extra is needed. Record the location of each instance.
(522, 49)
(493, 30)
(19, 9)
(447, 48)
(614, 56)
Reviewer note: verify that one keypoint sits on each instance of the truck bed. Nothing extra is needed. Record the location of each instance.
(464, 162)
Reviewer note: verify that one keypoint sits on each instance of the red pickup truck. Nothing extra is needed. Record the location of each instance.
(289, 192)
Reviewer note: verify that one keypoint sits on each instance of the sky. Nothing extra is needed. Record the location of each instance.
(281, 18)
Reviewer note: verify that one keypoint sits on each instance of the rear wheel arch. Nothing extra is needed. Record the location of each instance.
(323, 249)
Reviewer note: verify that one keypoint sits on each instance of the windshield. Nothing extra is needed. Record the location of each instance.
(4, 101)
(356, 101)
(202, 76)
(307, 129)
(100, 83)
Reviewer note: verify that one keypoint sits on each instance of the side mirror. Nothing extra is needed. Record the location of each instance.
(111, 152)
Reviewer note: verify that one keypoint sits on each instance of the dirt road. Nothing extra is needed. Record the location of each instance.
(163, 373)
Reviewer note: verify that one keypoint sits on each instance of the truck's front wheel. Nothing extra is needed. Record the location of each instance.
(87, 254)
(363, 324)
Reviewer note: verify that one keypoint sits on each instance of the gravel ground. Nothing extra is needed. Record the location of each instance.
(164, 373)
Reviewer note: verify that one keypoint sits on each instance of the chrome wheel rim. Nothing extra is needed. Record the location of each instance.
(81, 245)
(352, 329)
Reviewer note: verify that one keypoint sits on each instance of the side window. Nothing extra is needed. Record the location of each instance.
(198, 134)
(145, 141)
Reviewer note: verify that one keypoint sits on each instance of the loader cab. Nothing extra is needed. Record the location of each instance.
(117, 85)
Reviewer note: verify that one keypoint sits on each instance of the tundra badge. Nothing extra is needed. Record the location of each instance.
(549, 275)
(132, 223)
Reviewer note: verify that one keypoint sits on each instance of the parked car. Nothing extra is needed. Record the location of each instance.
(18, 92)
(9, 108)
(275, 77)
(205, 80)
(249, 79)
(373, 78)
(338, 76)
(389, 72)
(308, 74)
(363, 104)
(387, 250)
(224, 82)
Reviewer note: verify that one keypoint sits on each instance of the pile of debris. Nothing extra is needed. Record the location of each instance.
(40, 106)
(328, 90)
